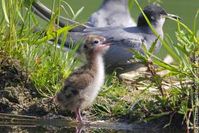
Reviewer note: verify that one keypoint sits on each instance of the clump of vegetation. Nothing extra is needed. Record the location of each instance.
(178, 88)
(46, 64)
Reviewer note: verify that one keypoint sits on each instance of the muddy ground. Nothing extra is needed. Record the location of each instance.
(18, 94)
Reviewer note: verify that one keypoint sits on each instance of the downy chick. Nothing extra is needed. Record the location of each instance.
(82, 86)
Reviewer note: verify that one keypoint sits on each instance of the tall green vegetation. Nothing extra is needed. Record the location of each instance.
(46, 64)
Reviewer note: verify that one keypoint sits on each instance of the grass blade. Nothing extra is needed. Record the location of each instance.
(5, 11)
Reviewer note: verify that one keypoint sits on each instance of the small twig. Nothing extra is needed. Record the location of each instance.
(154, 74)
(2, 115)
(171, 118)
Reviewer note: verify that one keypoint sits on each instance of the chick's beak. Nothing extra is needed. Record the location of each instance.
(103, 46)
(108, 41)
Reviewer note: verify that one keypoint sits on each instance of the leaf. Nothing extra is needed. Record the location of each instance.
(20, 16)
(152, 48)
(5, 11)
(70, 8)
(161, 63)
(138, 55)
(156, 116)
(78, 12)
(102, 108)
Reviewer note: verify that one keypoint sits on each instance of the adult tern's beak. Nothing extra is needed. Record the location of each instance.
(172, 16)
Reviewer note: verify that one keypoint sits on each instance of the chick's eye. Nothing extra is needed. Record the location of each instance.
(96, 41)
(85, 46)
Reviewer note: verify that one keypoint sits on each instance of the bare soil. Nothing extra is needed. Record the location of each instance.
(18, 94)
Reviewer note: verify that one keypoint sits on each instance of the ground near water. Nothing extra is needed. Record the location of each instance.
(19, 96)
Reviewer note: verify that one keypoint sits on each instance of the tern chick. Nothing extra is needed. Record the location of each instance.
(82, 86)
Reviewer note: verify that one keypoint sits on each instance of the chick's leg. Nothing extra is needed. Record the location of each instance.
(78, 115)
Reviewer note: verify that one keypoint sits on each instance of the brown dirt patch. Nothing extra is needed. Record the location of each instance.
(18, 95)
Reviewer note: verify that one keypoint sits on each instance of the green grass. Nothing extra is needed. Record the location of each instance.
(47, 67)
(46, 64)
